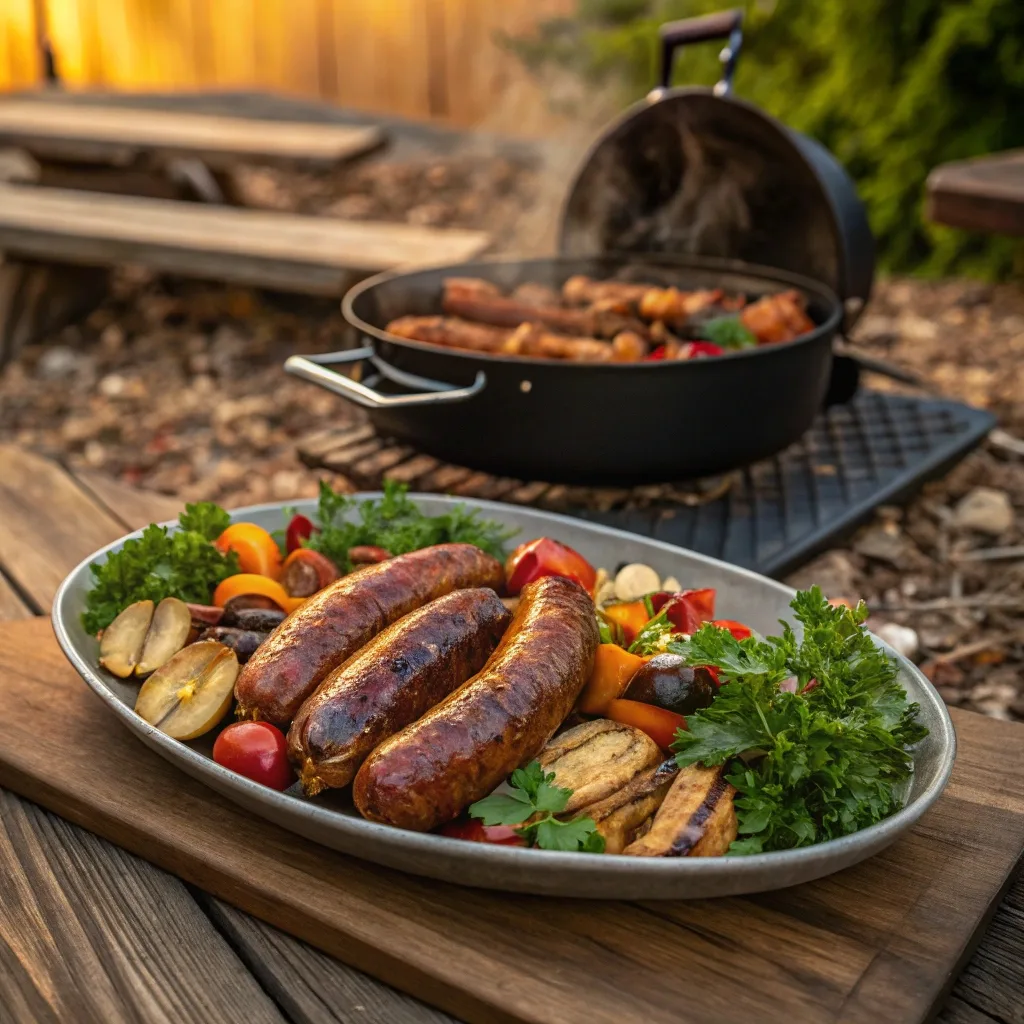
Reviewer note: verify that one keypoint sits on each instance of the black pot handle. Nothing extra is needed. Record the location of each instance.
(721, 25)
(431, 392)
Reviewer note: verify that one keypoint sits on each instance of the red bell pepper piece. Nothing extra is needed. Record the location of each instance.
(700, 350)
(689, 608)
(738, 630)
(658, 353)
(477, 832)
(546, 557)
(299, 529)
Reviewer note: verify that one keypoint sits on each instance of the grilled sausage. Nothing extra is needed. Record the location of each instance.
(332, 625)
(398, 676)
(459, 751)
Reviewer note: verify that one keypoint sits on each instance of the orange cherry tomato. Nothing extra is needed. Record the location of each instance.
(613, 669)
(252, 583)
(659, 724)
(630, 615)
(257, 551)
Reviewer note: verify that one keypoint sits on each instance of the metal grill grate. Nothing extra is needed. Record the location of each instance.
(875, 449)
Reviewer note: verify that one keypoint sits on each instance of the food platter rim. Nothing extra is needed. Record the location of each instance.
(751, 866)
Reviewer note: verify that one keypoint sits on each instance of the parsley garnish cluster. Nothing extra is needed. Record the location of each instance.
(395, 523)
(811, 765)
(159, 564)
(533, 795)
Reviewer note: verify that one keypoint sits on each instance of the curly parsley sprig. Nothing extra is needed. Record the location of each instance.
(532, 794)
(815, 764)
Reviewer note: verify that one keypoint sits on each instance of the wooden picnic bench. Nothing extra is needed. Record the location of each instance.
(984, 194)
(89, 932)
(106, 133)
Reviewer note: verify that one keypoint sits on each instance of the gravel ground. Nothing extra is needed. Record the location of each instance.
(177, 386)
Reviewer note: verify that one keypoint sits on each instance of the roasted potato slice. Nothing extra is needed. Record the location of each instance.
(696, 818)
(622, 815)
(597, 759)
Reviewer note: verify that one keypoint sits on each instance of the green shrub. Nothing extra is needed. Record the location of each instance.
(892, 87)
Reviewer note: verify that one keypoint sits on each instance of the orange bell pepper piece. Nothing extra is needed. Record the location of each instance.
(252, 583)
(613, 668)
(630, 615)
(257, 551)
(738, 630)
(659, 724)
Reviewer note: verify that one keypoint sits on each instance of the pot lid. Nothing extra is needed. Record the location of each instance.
(695, 171)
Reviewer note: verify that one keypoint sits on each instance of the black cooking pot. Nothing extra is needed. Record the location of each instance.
(691, 189)
(615, 423)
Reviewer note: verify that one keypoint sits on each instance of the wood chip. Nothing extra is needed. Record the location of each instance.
(411, 471)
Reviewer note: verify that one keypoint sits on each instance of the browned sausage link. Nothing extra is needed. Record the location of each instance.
(458, 752)
(333, 624)
(398, 676)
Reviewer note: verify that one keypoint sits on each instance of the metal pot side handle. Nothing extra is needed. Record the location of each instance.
(315, 370)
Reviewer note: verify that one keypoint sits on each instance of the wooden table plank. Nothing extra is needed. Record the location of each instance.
(134, 508)
(306, 254)
(47, 525)
(310, 986)
(11, 604)
(984, 194)
(90, 933)
(210, 137)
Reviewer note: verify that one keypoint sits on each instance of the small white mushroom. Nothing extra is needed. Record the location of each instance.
(634, 580)
(671, 584)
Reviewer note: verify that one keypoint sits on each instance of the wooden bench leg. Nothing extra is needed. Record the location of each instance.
(37, 298)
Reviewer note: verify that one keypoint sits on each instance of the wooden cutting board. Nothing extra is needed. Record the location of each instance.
(881, 941)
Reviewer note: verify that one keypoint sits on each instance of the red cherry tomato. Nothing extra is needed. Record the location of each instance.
(700, 349)
(687, 609)
(476, 832)
(299, 529)
(546, 557)
(257, 750)
(737, 629)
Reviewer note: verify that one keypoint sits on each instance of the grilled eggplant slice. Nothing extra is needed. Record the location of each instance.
(597, 759)
(696, 819)
(622, 817)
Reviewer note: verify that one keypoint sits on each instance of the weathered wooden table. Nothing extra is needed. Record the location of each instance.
(90, 933)
(984, 194)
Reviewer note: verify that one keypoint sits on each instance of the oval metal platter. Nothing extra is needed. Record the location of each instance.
(332, 821)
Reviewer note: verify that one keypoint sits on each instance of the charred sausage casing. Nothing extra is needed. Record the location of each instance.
(397, 677)
(332, 625)
(459, 751)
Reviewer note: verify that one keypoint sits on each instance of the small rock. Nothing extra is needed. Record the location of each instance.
(833, 572)
(112, 338)
(284, 483)
(900, 638)
(59, 362)
(882, 545)
(994, 698)
(986, 510)
(112, 385)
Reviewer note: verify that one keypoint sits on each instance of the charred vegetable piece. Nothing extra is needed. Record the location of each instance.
(242, 641)
(666, 681)
(167, 634)
(597, 759)
(206, 614)
(123, 640)
(192, 692)
(260, 620)
(614, 667)
(621, 818)
(368, 554)
(306, 571)
(245, 602)
(696, 819)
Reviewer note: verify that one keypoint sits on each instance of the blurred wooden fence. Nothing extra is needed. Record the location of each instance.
(419, 58)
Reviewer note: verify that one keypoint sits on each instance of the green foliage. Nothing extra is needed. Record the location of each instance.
(892, 87)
